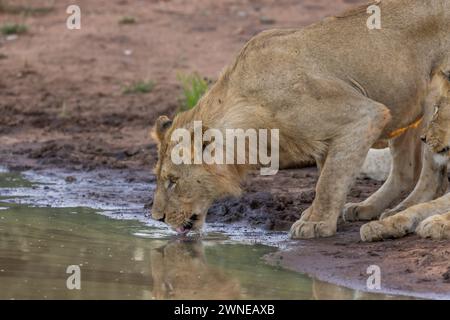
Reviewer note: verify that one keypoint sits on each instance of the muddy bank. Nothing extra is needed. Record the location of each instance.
(274, 203)
(410, 265)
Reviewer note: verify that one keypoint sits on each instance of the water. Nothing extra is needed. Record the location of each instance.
(127, 259)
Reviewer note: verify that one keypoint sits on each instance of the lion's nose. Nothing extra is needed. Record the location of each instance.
(158, 216)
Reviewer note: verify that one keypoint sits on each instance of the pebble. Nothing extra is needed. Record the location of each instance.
(266, 20)
(242, 14)
(12, 37)
(70, 179)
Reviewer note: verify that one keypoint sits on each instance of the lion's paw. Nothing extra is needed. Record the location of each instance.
(358, 212)
(308, 230)
(372, 231)
(383, 229)
(435, 227)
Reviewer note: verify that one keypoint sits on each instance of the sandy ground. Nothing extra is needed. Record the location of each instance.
(62, 105)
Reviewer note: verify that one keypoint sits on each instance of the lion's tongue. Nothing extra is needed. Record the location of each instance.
(182, 231)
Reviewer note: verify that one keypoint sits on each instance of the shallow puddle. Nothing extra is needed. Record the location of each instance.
(127, 259)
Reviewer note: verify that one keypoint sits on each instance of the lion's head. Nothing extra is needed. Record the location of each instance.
(180, 270)
(184, 192)
(437, 135)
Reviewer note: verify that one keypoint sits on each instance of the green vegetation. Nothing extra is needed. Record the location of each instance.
(23, 10)
(9, 29)
(140, 87)
(127, 20)
(194, 87)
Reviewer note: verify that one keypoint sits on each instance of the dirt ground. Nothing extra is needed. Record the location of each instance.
(62, 105)
(61, 91)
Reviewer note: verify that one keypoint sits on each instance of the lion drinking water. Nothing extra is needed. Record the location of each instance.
(430, 219)
(333, 89)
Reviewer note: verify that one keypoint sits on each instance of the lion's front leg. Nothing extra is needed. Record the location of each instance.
(345, 157)
(404, 222)
(433, 183)
(313, 225)
(436, 227)
(405, 171)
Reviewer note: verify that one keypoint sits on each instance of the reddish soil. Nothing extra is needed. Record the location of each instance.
(61, 91)
(62, 105)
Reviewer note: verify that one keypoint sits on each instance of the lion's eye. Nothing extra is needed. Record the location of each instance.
(170, 183)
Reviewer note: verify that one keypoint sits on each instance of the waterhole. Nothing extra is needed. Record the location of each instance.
(120, 256)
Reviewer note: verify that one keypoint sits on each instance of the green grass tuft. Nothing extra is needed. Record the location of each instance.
(9, 29)
(194, 87)
(127, 20)
(139, 87)
(23, 10)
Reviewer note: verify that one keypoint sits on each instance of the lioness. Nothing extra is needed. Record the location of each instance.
(333, 89)
(430, 219)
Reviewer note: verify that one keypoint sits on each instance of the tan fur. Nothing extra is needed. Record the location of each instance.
(438, 133)
(333, 89)
(429, 219)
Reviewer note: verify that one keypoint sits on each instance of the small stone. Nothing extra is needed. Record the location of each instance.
(266, 20)
(239, 31)
(446, 276)
(70, 179)
(242, 14)
(12, 37)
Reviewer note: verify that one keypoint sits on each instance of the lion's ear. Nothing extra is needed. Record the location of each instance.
(162, 124)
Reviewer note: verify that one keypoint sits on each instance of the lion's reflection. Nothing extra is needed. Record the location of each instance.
(180, 271)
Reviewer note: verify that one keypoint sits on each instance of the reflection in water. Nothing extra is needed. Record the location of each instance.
(327, 291)
(38, 244)
(180, 270)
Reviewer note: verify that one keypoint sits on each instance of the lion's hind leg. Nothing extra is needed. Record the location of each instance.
(404, 222)
(436, 227)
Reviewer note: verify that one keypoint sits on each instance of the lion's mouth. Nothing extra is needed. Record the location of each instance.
(187, 225)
